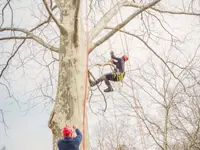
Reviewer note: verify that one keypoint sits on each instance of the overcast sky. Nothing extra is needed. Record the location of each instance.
(29, 130)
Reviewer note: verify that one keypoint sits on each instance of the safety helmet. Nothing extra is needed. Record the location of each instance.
(125, 57)
(67, 132)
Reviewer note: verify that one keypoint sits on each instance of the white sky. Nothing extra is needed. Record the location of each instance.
(30, 131)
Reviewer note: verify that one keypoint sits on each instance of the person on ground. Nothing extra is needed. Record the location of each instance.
(69, 142)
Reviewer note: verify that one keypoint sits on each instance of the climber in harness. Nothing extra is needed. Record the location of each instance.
(69, 142)
(117, 75)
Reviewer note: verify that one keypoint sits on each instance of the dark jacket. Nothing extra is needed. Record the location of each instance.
(70, 143)
(119, 63)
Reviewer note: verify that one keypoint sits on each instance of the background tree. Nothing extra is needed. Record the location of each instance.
(112, 135)
(63, 45)
(176, 103)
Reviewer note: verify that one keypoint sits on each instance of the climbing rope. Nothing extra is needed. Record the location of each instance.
(132, 87)
(103, 65)
(86, 80)
(98, 86)
(113, 103)
(86, 76)
(104, 110)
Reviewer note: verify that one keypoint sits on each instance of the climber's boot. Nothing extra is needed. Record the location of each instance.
(109, 89)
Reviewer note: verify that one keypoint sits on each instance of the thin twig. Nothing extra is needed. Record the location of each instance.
(8, 61)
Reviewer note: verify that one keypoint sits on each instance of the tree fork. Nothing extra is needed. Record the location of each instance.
(68, 108)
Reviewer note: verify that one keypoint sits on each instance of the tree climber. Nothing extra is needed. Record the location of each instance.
(116, 76)
(69, 142)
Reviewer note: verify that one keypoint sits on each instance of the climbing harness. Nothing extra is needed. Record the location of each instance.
(119, 76)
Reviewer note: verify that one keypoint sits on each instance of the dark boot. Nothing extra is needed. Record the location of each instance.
(109, 89)
(92, 83)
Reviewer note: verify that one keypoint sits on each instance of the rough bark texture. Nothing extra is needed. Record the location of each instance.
(68, 109)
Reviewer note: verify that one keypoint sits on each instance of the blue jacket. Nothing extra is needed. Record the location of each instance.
(70, 143)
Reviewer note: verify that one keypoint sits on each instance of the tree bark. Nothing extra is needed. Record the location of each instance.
(166, 128)
(68, 108)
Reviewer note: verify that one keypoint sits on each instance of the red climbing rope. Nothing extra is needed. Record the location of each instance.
(86, 78)
(134, 98)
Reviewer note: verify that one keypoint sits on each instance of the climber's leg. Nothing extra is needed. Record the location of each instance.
(108, 76)
(93, 83)
(109, 89)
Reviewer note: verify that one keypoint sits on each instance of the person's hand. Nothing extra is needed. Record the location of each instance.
(111, 53)
(74, 127)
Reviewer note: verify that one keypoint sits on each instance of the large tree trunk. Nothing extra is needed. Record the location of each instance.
(68, 109)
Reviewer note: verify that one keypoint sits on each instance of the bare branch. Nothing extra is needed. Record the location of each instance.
(90, 74)
(8, 61)
(2, 12)
(132, 4)
(15, 38)
(94, 32)
(30, 36)
(61, 27)
(154, 138)
(121, 25)
(44, 22)
(3, 119)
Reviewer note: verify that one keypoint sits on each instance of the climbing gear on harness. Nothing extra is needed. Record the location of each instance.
(119, 76)
(67, 132)
(125, 57)
(111, 60)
